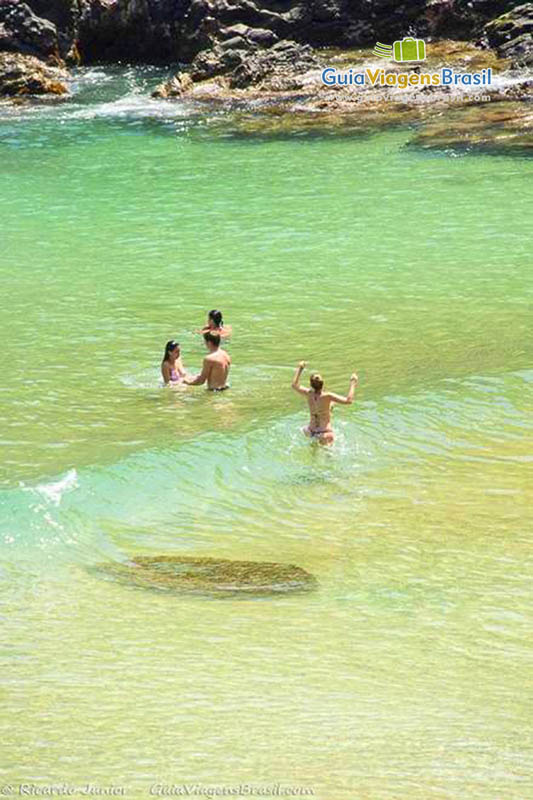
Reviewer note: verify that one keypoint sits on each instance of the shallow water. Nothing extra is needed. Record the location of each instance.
(407, 674)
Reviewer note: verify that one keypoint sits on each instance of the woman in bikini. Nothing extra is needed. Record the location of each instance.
(172, 368)
(215, 324)
(320, 402)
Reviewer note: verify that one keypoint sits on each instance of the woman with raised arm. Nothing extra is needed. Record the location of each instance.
(320, 403)
(215, 324)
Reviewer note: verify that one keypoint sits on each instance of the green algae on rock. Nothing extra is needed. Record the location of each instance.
(209, 576)
(299, 80)
(279, 122)
(512, 34)
(274, 110)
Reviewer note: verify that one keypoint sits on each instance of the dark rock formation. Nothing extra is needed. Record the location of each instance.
(197, 24)
(131, 30)
(65, 15)
(512, 35)
(169, 31)
(462, 19)
(282, 63)
(22, 75)
(243, 64)
(246, 64)
(21, 31)
(62, 13)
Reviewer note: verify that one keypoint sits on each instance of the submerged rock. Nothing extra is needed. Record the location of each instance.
(22, 75)
(504, 127)
(281, 103)
(209, 576)
(512, 35)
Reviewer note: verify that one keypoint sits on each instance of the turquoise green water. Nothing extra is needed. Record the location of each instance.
(408, 674)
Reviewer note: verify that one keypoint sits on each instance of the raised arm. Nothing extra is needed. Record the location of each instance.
(296, 380)
(348, 400)
(202, 377)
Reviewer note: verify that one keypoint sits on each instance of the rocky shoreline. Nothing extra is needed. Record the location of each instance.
(263, 60)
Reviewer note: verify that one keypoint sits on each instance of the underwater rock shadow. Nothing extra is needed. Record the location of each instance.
(208, 577)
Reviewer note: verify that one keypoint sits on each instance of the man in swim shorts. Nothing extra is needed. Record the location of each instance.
(320, 402)
(215, 368)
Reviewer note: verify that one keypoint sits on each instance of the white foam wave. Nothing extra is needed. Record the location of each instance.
(132, 105)
(53, 492)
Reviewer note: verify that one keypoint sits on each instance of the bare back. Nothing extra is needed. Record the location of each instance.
(320, 410)
(217, 366)
(320, 404)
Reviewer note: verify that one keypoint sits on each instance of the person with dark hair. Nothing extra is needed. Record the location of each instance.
(215, 368)
(320, 403)
(172, 368)
(215, 324)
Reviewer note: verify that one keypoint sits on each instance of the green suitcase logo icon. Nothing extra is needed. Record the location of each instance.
(409, 49)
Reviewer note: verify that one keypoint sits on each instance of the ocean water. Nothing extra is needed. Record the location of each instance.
(408, 673)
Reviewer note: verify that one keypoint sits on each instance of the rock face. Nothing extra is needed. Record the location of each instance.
(463, 19)
(170, 31)
(22, 75)
(512, 35)
(65, 15)
(242, 63)
(167, 31)
(210, 577)
(131, 30)
(319, 22)
(246, 64)
(61, 12)
(21, 31)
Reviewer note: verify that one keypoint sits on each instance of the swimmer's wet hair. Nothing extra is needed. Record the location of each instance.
(214, 338)
(169, 347)
(216, 317)
(316, 381)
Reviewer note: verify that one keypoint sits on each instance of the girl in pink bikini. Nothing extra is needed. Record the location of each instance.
(172, 368)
